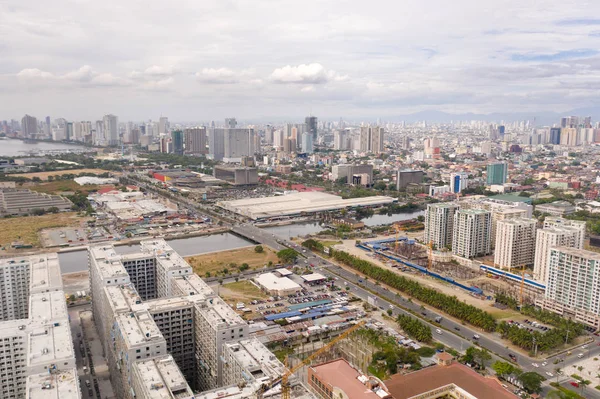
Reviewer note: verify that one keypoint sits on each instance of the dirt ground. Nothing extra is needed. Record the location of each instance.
(241, 291)
(215, 262)
(73, 282)
(26, 229)
(348, 246)
(44, 175)
(61, 186)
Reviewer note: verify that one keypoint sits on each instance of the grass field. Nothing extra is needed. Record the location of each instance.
(26, 229)
(241, 291)
(215, 262)
(44, 175)
(329, 243)
(58, 187)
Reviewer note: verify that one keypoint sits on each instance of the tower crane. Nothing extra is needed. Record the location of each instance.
(285, 386)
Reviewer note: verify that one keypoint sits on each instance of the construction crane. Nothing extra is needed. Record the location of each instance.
(397, 228)
(522, 284)
(285, 386)
(429, 254)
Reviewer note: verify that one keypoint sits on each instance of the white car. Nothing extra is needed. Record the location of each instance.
(584, 347)
(544, 364)
(549, 374)
(535, 365)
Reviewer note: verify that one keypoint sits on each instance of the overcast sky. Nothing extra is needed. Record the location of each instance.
(195, 60)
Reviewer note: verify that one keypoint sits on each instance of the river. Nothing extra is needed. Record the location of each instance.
(15, 148)
(77, 261)
(302, 229)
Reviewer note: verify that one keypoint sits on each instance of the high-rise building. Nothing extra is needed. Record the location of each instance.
(216, 143)
(269, 135)
(230, 123)
(238, 143)
(311, 126)
(458, 182)
(29, 126)
(177, 139)
(195, 140)
(341, 140)
(472, 232)
(439, 224)
(37, 355)
(69, 131)
(497, 173)
(111, 129)
(186, 328)
(404, 177)
(574, 279)
(163, 125)
(554, 135)
(307, 143)
(59, 132)
(556, 232)
(371, 139)
(515, 243)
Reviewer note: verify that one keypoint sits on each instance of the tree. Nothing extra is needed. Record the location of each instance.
(532, 381)
(503, 368)
(287, 255)
(259, 249)
(421, 218)
(220, 281)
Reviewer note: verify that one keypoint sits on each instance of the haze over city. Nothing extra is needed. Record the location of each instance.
(278, 61)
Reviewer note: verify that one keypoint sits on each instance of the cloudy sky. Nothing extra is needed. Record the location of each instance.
(194, 60)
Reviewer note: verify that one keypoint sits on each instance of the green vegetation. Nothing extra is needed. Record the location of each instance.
(388, 355)
(532, 381)
(426, 351)
(259, 249)
(287, 255)
(477, 356)
(415, 328)
(565, 331)
(563, 393)
(446, 303)
(391, 209)
(503, 369)
(313, 245)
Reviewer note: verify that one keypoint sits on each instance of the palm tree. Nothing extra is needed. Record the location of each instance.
(557, 371)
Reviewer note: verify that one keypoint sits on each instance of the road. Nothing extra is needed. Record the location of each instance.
(454, 334)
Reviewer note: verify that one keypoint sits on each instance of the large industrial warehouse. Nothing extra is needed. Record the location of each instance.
(297, 204)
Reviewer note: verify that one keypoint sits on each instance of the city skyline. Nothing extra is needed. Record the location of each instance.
(209, 61)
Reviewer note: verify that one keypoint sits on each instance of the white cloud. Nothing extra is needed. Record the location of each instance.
(308, 89)
(108, 79)
(34, 74)
(217, 76)
(163, 84)
(83, 74)
(306, 73)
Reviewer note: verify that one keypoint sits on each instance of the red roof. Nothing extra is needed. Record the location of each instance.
(106, 190)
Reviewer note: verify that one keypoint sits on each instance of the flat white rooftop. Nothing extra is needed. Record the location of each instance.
(272, 282)
(218, 313)
(292, 204)
(168, 258)
(256, 359)
(162, 379)
(61, 385)
(284, 272)
(138, 328)
(309, 278)
(193, 285)
(108, 263)
(50, 344)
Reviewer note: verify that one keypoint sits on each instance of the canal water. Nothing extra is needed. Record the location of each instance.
(302, 229)
(77, 261)
(15, 148)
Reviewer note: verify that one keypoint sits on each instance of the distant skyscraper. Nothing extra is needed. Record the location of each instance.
(501, 130)
(195, 140)
(340, 140)
(238, 143)
(371, 139)
(497, 173)
(269, 136)
(69, 131)
(230, 123)
(311, 126)
(111, 129)
(177, 139)
(216, 143)
(163, 125)
(307, 142)
(458, 182)
(554, 135)
(29, 126)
